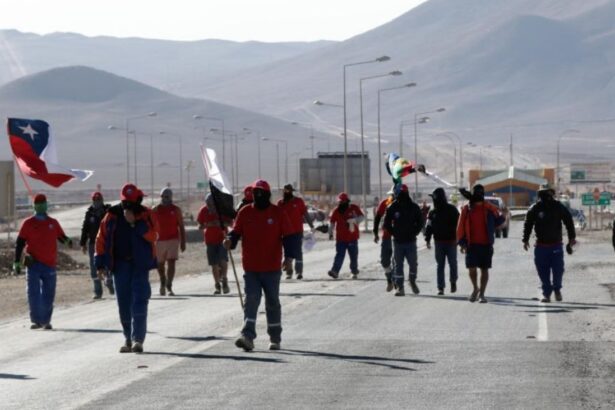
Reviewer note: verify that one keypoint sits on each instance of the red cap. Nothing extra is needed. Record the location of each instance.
(40, 198)
(97, 196)
(343, 197)
(130, 193)
(261, 184)
(247, 193)
(403, 188)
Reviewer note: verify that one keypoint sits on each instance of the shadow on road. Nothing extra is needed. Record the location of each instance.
(330, 280)
(88, 330)
(370, 360)
(245, 358)
(339, 295)
(198, 338)
(205, 295)
(169, 298)
(15, 376)
(522, 302)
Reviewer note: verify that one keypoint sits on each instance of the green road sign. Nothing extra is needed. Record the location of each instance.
(589, 200)
(201, 185)
(577, 175)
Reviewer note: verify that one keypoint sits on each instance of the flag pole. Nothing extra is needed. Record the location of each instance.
(230, 254)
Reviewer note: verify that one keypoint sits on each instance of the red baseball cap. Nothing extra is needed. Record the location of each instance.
(403, 188)
(130, 193)
(96, 196)
(247, 192)
(40, 198)
(343, 197)
(261, 184)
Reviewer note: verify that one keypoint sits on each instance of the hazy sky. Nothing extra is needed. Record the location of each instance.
(263, 20)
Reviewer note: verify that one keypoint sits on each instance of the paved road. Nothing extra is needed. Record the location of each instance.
(346, 344)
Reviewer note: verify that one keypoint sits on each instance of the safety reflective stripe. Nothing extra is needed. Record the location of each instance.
(250, 320)
(274, 325)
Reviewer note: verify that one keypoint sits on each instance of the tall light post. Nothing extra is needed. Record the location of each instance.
(363, 176)
(460, 155)
(280, 141)
(221, 121)
(416, 153)
(450, 138)
(380, 91)
(402, 124)
(258, 146)
(311, 133)
(345, 67)
(321, 103)
(181, 160)
(151, 165)
(559, 139)
(114, 128)
(128, 132)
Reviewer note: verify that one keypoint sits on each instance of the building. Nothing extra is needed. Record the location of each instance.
(517, 187)
(324, 175)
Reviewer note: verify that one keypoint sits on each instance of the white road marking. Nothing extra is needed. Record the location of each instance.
(543, 326)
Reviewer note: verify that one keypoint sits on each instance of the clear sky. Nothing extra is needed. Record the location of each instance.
(239, 20)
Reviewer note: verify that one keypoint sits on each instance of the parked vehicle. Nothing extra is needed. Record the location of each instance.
(501, 231)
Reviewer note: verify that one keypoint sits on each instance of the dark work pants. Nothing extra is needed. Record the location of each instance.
(255, 284)
(132, 290)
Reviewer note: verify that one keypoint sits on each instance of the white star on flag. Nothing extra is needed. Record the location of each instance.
(29, 131)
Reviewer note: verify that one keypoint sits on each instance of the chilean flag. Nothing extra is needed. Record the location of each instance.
(35, 153)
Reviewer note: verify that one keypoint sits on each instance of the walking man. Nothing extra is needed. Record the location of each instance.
(264, 229)
(126, 247)
(217, 256)
(297, 213)
(39, 235)
(247, 199)
(345, 220)
(545, 217)
(89, 229)
(404, 221)
(386, 245)
(172, 238)
(442, 226)
(475, 236)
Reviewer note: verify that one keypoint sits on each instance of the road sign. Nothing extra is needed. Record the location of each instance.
(597, 172)
(589, 200)
(201, 185)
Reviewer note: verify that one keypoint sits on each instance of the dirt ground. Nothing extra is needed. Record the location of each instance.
(74, 284)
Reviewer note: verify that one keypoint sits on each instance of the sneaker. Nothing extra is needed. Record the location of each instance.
(453, 287)
(274, 346)
(110, 288)
(48, 327)
(389, 286)
(126, 347)
(473, 296)
(355, 275)
(170, 291)
(440, 291)
(415, 288)
(218, 289)
(35, 326)
(299, 276)
(333, 274)
(289, 276)
(96, 297)
(163, 291)
(545, 299)
(225, 288)
(137, 347)
(558, 295)
(482, 299)
(400, 292)
(244, 343)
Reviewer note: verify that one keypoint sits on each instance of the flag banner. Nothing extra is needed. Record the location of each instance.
(218, 183)
(399, 167)
(35, 153)
(421, 169)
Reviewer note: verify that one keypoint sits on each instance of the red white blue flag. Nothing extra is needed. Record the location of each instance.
(35, 153)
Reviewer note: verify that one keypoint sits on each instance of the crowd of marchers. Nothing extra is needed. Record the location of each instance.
(125, 241)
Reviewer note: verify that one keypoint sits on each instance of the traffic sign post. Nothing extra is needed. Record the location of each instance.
(590, 200)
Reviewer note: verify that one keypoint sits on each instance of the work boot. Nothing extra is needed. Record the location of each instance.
(225, 288)
(400, 292)
(110, 287)
(244, 343)
(274, 346)
(137, 347)
(126, 347)
(333, 274)
(163, 290)
(299, 276)
(289, 275)
(558, 295)
(415, 288)
(35, 326)
(389, 285)
(354, 276)
(48, 327)
(170, 290)
(218, 289)
(545, 299)
(440, 291)
(96, 297)
(453, 287)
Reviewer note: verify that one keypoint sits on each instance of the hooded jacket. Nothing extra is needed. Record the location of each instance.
(91, 223)
(442, 223)
(546, 218)
(404, 220)
(493, 219)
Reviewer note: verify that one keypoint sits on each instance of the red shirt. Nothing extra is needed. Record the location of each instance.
(261, 234)
(382, 209)
(213, 235)
(478, 225)
(168, 218)
(295, 209)
(41, 238)
(342, 231)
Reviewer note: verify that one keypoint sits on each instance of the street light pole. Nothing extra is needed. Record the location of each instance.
(559, 139)
(221, 121)
(380, 91)
(181, 159)
(416, 155)
(377, 60)
(128, 132)
(450, 138)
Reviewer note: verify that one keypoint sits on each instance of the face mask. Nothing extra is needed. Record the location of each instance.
(343, 206)
(97, 204)
(545, 196)
(166, 200)
(261, 199)
(128, 205)
(287, 196)
(40, 208)
(403, 197)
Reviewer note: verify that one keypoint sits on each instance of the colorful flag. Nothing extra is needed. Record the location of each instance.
(218, 183)
(35, 153)
(399, 167)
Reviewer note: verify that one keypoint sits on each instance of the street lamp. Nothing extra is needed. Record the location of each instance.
(416, 154)
(377, 60)
(363, 176)
(460, 155)
(258, 145)
(277, 141)
(128, 132)
(181, 160)
(221, 121)
(380, 91)
(559, 139)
